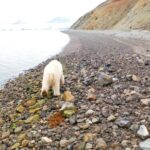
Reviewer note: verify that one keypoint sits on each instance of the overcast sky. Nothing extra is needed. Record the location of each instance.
(34, 11)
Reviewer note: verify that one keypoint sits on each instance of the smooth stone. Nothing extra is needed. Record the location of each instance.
(134, 127)
(31, 102)
(123, 122)
(24, 143)
(84, 126)
(20, 109)
(145, 145)
(18, 129)
(73, 120)
(68, 113)
(67, 105)
(111, 118)
(135, 78)
(68, 96)
(34, 110)
(88, 137)
(64, 143)
(145, 102)
(95, 120)
(46, 140)
(143, 132)
(105, 79)
(125, 143)
(5, 134)
(101, 144)
(32, 119)
(91, 96)
(88, 146)
(15, 146)
(89, 112)
(21, 137)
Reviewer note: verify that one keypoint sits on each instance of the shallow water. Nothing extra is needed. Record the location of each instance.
(23, 49)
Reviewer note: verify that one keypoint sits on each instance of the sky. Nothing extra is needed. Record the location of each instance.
(39, 11)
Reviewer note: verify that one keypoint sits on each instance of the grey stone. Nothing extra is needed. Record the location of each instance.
(145, 145)
(143, 132)
(123, 122)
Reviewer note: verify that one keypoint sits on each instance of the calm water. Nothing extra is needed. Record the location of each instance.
(23, 49)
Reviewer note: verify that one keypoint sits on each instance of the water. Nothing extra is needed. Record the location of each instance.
(23, 49)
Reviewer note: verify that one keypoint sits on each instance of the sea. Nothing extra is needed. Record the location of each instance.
(22, 49)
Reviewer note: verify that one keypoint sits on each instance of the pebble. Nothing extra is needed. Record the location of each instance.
(111, 118)
(89, 112)
(135, 78)
(123, 122)
(64, 143)
(5, 134)
(46, 140)
(88, 137)
(145, 102)
(134, 127)
(73, 120)
(104, 79)
(24, 143)
(125, 143)
(15, 146)
(143, 132)
(68, 96)
(95, 120)
(101, 144)
(88, 146)
(18, 129)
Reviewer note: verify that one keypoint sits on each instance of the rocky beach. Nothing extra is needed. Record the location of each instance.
(104, 103)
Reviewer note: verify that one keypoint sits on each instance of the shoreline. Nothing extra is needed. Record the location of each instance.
(116, 107)
(113, 33)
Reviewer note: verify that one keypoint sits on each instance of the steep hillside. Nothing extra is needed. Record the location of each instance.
(117, 14)
(137, 18)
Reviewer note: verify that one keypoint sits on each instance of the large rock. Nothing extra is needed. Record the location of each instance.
(145, 145)
(143, 132)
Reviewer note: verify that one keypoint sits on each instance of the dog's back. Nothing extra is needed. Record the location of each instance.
(53, 74)
(54, 68)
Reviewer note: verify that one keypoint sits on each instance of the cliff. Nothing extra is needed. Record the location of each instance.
(117, 14)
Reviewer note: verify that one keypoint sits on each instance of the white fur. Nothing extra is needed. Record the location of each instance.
(52, 77)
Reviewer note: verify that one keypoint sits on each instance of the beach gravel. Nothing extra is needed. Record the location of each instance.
(107, 84)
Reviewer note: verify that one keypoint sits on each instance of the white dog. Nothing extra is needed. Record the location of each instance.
(52, 78)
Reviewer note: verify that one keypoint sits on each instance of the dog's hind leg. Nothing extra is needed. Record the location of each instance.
(56, 89)
(62, 80)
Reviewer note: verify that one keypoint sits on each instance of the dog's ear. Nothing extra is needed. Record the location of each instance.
(44, 93)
